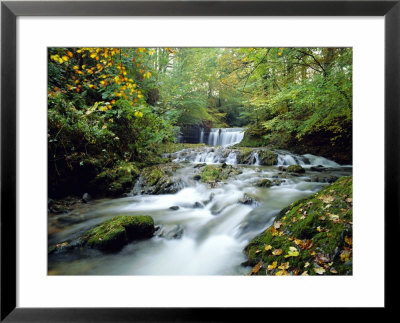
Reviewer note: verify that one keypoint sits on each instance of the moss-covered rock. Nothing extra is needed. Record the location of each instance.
(113, 234)
(295, 169)
(159, 179)
(214, 173)
(115, 181)
(264, 183)
(311, 236)
(267, 157)
(245, 156)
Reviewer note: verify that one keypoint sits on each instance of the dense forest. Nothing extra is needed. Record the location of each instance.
(121, 104)
(117, 116)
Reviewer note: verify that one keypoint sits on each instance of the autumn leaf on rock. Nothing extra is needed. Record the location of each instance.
(319, 270)
(349, 200)
(277, 224)
(345, 255)
(333, 217)
(277, 252)
(274, 232)
(348, 240)
(268, 247)
(322, 259)
(326, 198)
(293, 252)
(272, 266)
(282, 273)
(256, 268)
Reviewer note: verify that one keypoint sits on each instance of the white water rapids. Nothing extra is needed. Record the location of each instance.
(203, 238)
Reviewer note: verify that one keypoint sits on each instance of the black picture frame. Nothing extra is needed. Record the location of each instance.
(10, 10)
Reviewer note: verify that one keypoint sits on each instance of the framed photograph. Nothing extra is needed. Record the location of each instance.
(186, 160)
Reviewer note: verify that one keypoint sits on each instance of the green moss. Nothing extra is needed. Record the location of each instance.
(210, 173)
(295, 169)
(116, 180)
(116, 232)
(264, 183)
(267, 157)
(252, 141)
(318, 227)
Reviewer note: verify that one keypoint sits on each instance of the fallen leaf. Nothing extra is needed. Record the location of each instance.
(349, 200)
(333, 271)
(293, 252)
(306, 245)
(284, 266)
(305, 273)
(348, 240)
(326, 198)
(296, 271)
(277, 252)
(322, 259)
(297, 241)
(345, 255)
(282, 273)
(306, 264)
(272, 266)
(268, 247)
(256, 269)
(277, 224)
(319, 270)
(333, 217)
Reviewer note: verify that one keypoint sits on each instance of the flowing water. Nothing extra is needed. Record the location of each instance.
(224, 136)
(207, 233)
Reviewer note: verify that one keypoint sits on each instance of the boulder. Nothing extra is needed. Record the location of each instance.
(267, 157)
(264, 183)
(115, 181)
(159, 179)
(86, 198)
(212, 173)
(115, 233)
(174, 208)
(295, 169)
(248, 200)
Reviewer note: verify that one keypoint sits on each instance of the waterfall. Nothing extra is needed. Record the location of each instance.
(225, 136)
(202, 135)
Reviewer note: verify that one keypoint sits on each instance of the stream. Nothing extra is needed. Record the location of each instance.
(206, 231)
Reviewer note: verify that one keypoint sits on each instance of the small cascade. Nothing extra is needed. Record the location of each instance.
(256, 158)
(286, 158)
(225, 136)
(136, 190)
(223, 154)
